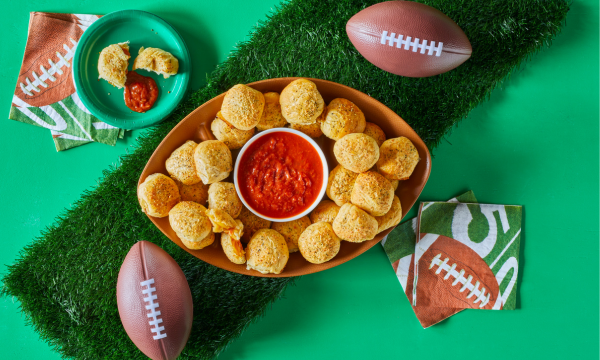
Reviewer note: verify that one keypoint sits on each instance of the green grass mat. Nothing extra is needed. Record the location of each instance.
(65, 280)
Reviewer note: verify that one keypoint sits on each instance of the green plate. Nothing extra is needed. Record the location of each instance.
(140, 28)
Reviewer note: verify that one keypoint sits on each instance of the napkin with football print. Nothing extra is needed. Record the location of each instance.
(466, 256)
(45, 94)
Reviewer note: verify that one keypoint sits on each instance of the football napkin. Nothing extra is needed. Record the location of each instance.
(467, 256)
(45, 94)
(435, 293)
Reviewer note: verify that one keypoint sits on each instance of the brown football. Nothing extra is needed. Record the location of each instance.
(155, 302)
(408, 38)
(451, 274)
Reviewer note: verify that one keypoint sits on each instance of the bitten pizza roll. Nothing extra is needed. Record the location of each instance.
(354, 225)
(190, 222)
(157, 60)
(373, 193)
(267, 252)
(356, 152)
(231, 136)
(271, 116)
(222, 222)
(213, 161)
(398, 158)
(113, 63)
(243, 106)
(291, 230)
(180, 165)
(342, 118)
(157, 195)
(222, 195)
(319, 243)
(301, 102)
(233, 249)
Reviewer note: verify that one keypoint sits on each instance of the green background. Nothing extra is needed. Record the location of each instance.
(534, 143)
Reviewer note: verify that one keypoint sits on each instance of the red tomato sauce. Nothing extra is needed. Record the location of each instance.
(280, 175)
(140, 92)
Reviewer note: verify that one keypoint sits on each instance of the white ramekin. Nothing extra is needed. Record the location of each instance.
(323, 162)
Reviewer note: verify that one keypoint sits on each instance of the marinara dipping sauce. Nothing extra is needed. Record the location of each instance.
(140, 92)
(280, 175)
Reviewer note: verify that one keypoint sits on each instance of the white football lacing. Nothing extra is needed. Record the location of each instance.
(152, 305)
(48, 74)
(480, 294)
(431, 48)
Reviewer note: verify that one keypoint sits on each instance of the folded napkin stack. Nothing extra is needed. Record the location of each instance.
(45, 94)
(457, 255)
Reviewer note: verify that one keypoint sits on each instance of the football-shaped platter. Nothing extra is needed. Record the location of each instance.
(408, 38)
(155, 302)
(452, 275)
(196, 127)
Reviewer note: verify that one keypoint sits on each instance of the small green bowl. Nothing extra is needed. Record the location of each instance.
(140, 28)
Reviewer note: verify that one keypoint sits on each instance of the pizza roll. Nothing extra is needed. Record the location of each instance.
(398, 158)
(312, 130)
(267, 252)
(271, 116)
(326, 211)
(373, 193)
(197, 245)
(391, 218)
(189, 221)
(291, 230)
(222, 195)
(319, 243)
(354, 225)
(157, 195)
(252, 223)
(375, 132)
(356, 152)
(213, 161)
(301, 102)
(243, 106)
(180, 165)
(197, 193)
(157, 60)
(342, 118)
(340, 184)
(231, 136)
(113, 63)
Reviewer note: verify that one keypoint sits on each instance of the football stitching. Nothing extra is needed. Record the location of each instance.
(47, 74)
(431, 48)
(466, 282)
(152, 306)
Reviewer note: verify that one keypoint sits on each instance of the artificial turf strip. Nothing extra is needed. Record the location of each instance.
(65, 280)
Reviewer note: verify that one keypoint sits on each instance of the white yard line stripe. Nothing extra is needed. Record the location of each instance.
(75, 119)
(79, 104)
(506, 248)
(103, 125)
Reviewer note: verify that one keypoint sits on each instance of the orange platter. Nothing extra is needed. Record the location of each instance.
(196, 127)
